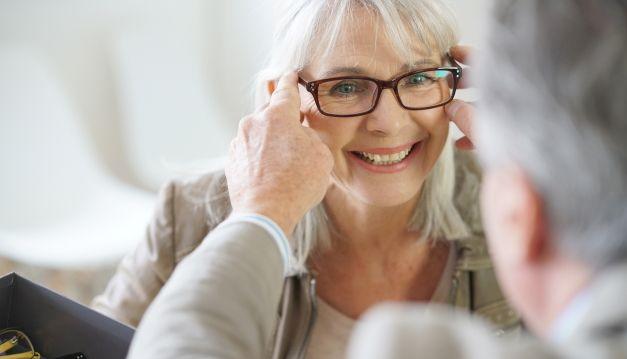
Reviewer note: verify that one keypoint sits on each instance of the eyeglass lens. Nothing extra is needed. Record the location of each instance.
(416, 91)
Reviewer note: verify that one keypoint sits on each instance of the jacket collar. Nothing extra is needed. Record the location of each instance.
(601, 309)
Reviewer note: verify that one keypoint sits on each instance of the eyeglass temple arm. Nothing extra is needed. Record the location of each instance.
(454, 63)
(8, 345)
(25, 355)
(307, 85)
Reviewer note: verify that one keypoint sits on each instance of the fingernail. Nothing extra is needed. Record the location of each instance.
(452, 108)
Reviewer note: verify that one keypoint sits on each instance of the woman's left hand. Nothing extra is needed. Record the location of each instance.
(460, 112)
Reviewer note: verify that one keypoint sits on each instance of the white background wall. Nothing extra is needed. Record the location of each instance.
(151, 80)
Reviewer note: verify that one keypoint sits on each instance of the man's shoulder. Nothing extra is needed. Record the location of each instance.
(401, 331)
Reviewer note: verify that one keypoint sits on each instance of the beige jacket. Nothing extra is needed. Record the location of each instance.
(183, 220)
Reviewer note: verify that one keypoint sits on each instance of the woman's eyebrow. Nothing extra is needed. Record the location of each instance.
(420, 64)
(356, 70)
(349, 70)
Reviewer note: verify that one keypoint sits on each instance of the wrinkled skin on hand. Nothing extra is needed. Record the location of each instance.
(277, 167)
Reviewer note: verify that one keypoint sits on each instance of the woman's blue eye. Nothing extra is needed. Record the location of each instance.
(417, 79)
(345, 88)
(420, 79)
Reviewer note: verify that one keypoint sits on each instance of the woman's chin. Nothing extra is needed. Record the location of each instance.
(376, 193)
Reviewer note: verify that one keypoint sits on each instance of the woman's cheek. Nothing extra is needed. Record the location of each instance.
(434, 121)
(437, 126)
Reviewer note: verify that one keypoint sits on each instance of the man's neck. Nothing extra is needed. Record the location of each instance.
(565, 282)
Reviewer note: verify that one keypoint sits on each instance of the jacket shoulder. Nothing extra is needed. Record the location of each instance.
(197, 205)
(468, 176)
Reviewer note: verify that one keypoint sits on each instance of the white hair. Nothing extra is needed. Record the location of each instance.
(552, 78)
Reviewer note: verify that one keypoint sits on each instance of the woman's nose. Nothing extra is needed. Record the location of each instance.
(388, 118)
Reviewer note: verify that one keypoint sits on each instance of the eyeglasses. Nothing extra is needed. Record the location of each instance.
(349, 96)
(14, 344)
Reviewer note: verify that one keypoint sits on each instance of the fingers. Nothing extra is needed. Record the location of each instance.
(464, 143)
(311, 133)
(323, 150)
(461, 114)
(462, 53)
(286, 93)
(262, 107)
(464, 82)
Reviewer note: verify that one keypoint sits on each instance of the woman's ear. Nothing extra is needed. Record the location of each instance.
(271, 87)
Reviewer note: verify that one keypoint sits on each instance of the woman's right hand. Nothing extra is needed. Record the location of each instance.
(460, 112)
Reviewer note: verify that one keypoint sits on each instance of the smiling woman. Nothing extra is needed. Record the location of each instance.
(368, 41)
(399, 220)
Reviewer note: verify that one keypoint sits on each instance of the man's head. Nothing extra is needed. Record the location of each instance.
(552, 133)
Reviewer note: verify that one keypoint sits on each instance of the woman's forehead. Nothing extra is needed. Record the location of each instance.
(366, 46)
(372, 67)
(369, 60)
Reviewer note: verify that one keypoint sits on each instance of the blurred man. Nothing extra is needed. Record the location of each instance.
(551, 134)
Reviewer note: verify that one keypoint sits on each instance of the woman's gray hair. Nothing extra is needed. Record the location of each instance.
(310, 28)
(554, 101)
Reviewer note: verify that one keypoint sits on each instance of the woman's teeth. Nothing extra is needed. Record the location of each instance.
(384, 160)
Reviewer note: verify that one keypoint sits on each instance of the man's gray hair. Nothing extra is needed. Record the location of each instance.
(553, 77)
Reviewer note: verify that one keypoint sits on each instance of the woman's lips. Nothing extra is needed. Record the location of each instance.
(389, 168)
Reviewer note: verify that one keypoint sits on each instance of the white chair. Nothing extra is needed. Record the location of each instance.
(173, 118)
(58, 206)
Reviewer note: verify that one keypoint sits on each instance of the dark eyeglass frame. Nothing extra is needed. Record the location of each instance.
(455, 69)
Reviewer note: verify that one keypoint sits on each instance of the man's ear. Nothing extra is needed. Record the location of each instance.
(516, 214)
(534, 218)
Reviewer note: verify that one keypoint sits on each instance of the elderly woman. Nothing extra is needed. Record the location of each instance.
(399, 220)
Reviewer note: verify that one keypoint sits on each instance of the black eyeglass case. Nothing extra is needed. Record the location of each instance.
(58, 326)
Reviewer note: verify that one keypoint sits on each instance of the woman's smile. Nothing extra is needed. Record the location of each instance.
(386, 159)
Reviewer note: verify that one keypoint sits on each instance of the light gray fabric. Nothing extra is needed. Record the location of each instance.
(221, 301)
(402, 331)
